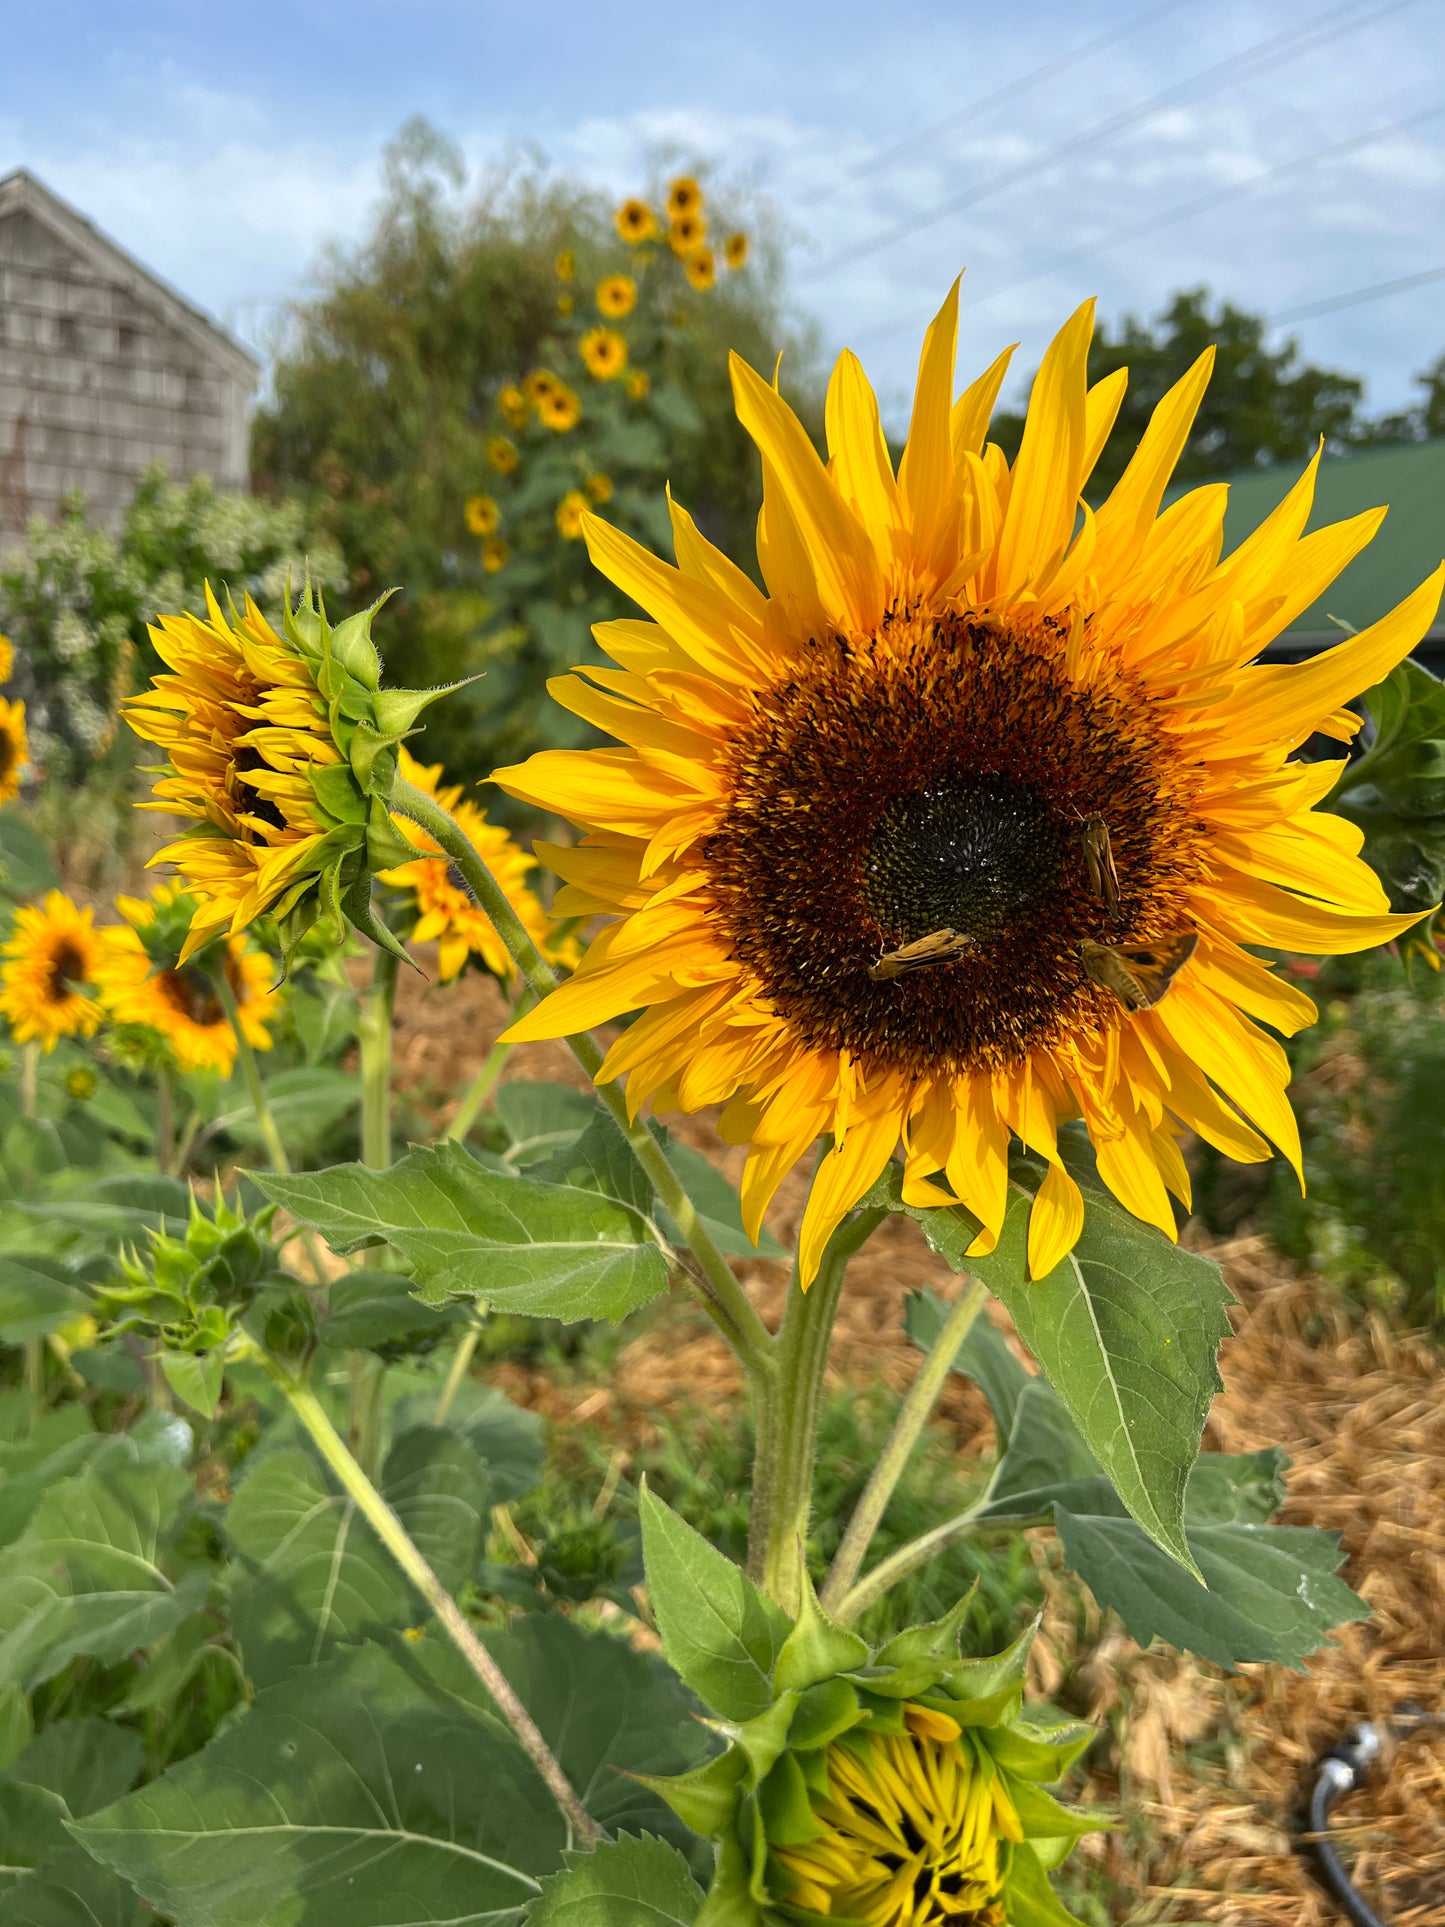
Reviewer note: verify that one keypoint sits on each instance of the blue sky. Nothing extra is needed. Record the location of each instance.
(1284, 152)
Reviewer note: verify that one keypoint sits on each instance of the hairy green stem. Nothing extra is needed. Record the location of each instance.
(786, 1443)
(711, 1281)
(251, 1072)
(460, 1365)
(165, 1118)
(480, 1089)
(399, 1543)
(367, 1372)
(887, 1573)
(911, 1418)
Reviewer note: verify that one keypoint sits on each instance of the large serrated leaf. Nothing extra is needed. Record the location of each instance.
(545, 1250)
(353, 1795)
(634, 1881)
(1126, 1329)
(719, 1631)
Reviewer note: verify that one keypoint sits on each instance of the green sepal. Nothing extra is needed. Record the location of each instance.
(1042, 1817)
(984, 1679)
(1034, 1749)
(824, 1711)
(884, 1715)
(1028, 1897)
(817, 1648)
(361, 913)
(386, 847)
(920, 1656)
(335, 789)
(371, 757)
(762, 1739)
(783, 1805)
(729, 1900)
(705, 1799)
(396, 710)
(350, 644)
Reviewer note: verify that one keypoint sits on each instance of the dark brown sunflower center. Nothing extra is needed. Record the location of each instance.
(970, 854)
(939, 777)
(9, 752)
(67, 969)
(191, 994)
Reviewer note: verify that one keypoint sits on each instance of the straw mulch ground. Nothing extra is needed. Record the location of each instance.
(1209, 1770)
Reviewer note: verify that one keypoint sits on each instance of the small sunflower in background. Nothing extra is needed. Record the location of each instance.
(971, 825)
(482, 515)
(48, 979)
(14, 749)
(566, 265)
(604, 352)
(701, 269)
(513, 404)
(559, 408)
(686, 235)
(565, 304)
(635, 222)
(735, 250)
(7, 658)
(538, 385)
(684, 198)
(570, 510)
(638, 384)
(495, 553)
(447, 913)
(502, 454)
(599, 489)
(180, 1002)
(616, 296)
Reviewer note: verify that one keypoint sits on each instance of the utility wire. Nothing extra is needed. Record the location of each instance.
(1182, 211)
(1375, 293)
(886, 157)
(1246, 64)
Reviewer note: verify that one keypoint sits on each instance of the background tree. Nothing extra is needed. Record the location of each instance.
(386, 411)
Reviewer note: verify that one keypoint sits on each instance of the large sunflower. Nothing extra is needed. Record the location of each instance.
(47, 982)
(447, 913)
(243, 725)
(961, 829)
(179, 1000)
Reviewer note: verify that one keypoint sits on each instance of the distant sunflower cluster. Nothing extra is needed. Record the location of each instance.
(603, 339)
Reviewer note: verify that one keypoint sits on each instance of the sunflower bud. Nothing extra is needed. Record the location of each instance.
(898, 1788)
(281, 748)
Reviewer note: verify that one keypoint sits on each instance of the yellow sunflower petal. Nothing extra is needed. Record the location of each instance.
(1048, 473)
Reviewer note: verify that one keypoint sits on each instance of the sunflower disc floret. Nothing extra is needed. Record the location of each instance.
(281, 750)
(904, 1788)
(969, 825)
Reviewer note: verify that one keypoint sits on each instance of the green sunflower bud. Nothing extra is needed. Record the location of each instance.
(906, 1787)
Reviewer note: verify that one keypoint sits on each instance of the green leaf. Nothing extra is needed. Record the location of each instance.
(69, 1889)
(1244, 1487)
(541, 1118)
(37, 1296)
(717, 1202)
(120, 1206)
(1126, 1329)
(633, 1881)
(371, 1310)
(88, 1762)
(32, 1826)
(311, 1574)
(505, 1437)
(545, 1250)
(984, 1355)
(195, 1378)
(719, 1631)
(1272, 1591)
(355, 1794)
(87, 1575)
(1031, 1901)
(17, 1727)
(27, 870)
(305, 1103)
(61, 1444)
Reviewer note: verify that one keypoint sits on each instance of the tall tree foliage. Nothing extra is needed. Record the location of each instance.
(385, 401)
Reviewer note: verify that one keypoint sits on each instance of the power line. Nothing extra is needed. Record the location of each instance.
(1248, 63)
(905, 150)
(1374, 293)
(1182, 211)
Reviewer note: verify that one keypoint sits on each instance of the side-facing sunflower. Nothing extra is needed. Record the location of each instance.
(960, 830)
(604, 353)
(447, 914)
(616, 296)
(48, 979)
(14, 749)
(635, 221)
(180, 1001)
(701, 269)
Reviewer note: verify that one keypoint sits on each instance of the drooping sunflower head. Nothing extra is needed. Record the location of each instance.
(735, 250)
(445, 911)
(14, 750)
(604, 352)
(635, 221)
(280, 750)
(701, 269)
(684, 197)
(142, 982)
(502, 454)
(686, 234)
(961, 830)
(48, 979)
(616, 296)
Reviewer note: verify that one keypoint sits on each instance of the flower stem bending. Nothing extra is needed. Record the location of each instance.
(394, 1536)
(912, 1415)
(713, 1282)
(787, 1420)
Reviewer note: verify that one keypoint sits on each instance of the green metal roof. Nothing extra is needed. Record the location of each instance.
(1410, 544)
